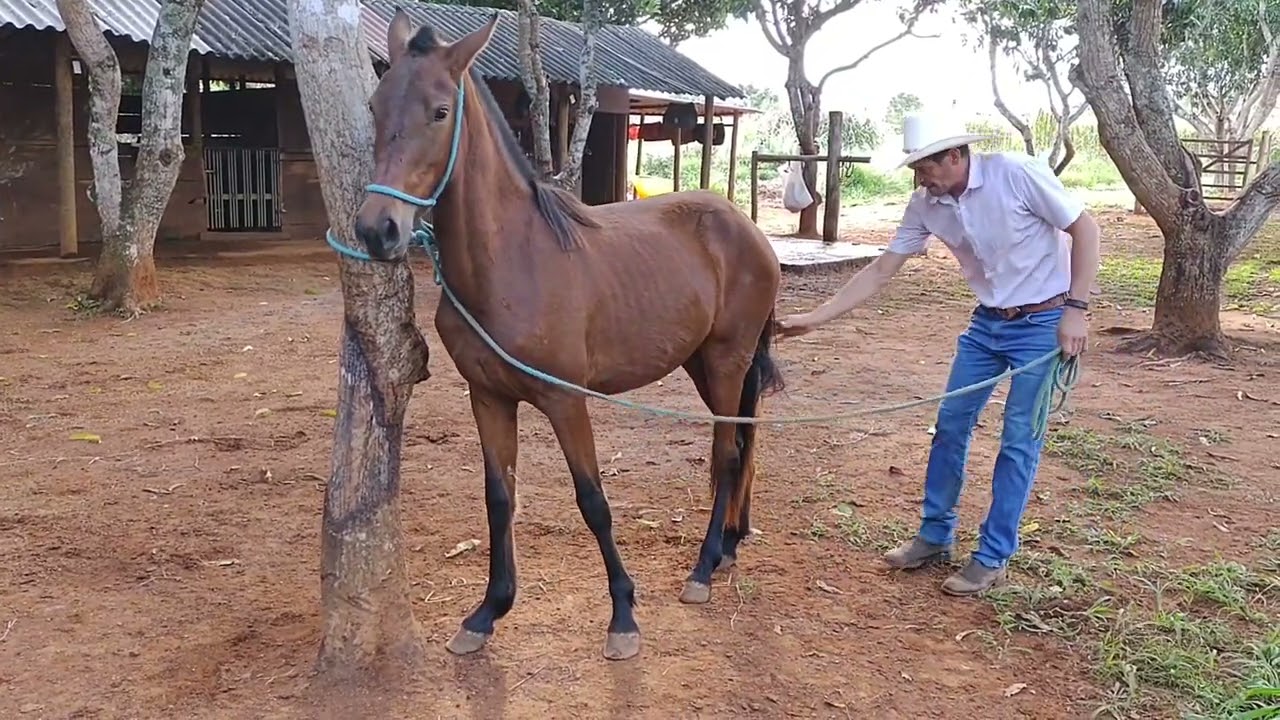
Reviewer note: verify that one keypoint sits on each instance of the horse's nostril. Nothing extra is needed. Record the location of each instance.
(390, 231)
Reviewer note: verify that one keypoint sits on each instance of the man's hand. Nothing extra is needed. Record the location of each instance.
(794, 325)
(1073, 331)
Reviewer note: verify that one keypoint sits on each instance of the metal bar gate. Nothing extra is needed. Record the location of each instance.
(243, 189)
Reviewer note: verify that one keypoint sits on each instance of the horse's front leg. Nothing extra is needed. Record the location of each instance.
(573, 429)
(496, 423)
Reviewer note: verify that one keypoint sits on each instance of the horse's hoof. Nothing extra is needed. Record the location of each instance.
(621, 646)
(695, 593)
(726, 562)
(465, 642)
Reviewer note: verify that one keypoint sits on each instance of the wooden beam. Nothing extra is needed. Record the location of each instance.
(675, 161)
(831, 216)
(68, 233)
(620, 157)
(733, 156)
(708, 119)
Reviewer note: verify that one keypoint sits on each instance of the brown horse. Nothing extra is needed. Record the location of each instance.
(611, 298)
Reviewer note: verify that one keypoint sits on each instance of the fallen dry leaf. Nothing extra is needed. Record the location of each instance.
(240, 375)
(221, 563)
(1014, 689)
(462, 547)
(835, 704)
(86, 437)
(261, 412)
(895, 470)
(155, 385)
(828, 588)
(961, 636)
(329, 413)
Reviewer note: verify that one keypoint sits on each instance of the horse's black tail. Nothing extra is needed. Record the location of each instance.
(763, 377)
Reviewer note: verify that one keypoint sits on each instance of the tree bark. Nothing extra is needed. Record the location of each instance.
(103, 70)
(535, 84)
(125, 276)
(570, 176)
(368, 622)
(806, 106)
(1189, 296)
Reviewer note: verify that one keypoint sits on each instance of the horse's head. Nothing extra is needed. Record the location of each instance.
(416, 111)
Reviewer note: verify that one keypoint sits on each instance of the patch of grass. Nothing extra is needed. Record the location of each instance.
(862, 184)
(1091, 173)
(1201, 641)
(1252, 283)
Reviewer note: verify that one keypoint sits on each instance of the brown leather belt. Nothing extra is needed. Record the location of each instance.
(1013, 313)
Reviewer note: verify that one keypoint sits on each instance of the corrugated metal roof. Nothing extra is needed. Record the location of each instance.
(625, 56)
(258, 30)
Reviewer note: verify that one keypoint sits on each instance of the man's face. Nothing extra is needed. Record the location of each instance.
(938, 177)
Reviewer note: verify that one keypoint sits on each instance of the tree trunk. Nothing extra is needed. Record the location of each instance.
(125, 276)
(535, 84)
(806, 105)
(1189, 297)
(570, 176)
(364, 591)
(103, 70)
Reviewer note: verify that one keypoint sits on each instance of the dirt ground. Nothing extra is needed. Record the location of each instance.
(163, 481)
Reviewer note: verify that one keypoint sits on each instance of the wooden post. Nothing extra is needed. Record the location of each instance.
(639, 144)
(733, 157)
(620, 142)
(1264, 150)
(755, 185)
(675, 161)
(68, 233)
(831, 216)
(708, 126)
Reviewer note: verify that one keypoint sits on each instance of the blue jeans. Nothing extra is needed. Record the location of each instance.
(988, 347)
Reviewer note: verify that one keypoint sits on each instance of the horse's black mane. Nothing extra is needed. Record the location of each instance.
(558, 208)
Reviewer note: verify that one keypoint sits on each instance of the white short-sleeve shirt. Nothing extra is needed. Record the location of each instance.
(1005, 229)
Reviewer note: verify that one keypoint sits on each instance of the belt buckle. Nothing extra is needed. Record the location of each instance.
(1009, 313)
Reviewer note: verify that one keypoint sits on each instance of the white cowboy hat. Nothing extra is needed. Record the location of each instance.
(924, 135)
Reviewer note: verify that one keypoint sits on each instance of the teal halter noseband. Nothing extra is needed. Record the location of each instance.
(425, 235)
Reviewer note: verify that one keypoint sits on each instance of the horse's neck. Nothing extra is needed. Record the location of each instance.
(479, 218)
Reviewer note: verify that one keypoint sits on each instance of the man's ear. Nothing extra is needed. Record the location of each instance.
(398, 34)
(462, 53)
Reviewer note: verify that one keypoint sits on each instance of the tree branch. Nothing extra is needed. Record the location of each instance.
(1028, 139)
(1098, 77)
(772, 29)
(1151, 103)
(821, 18)
(845, 68)
(1246, 216)
(535, 84)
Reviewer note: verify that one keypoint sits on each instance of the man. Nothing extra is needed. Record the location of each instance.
(1003, 216)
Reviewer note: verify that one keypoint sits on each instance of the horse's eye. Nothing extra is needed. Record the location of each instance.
(442, 112)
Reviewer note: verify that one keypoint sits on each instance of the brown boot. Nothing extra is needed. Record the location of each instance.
(916, 553)
(974, 578)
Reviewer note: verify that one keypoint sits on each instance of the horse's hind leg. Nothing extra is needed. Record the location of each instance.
(724, 374)
(572, 426)
(731, 536)
(496, 423)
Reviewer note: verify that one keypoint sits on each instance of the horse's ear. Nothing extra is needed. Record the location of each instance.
(463, 52)
(398, 34)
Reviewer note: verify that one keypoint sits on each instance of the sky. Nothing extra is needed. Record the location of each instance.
(941, 71)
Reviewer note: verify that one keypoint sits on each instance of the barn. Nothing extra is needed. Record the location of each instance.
(249, 173)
